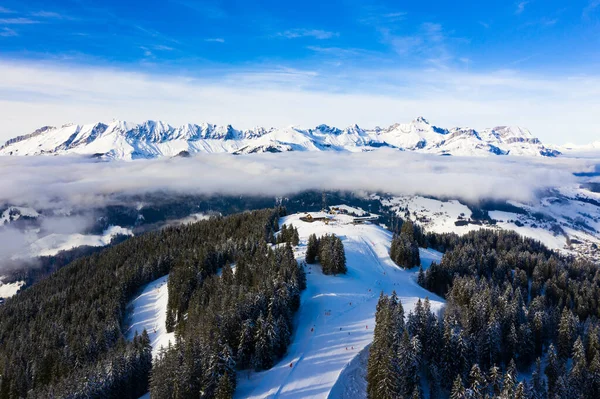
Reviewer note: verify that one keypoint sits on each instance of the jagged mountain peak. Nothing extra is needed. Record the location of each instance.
(419, 120)
(154, 138)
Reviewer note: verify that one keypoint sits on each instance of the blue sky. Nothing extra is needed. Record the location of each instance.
(532, 63)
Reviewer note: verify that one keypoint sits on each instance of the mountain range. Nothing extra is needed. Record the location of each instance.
(151, 139)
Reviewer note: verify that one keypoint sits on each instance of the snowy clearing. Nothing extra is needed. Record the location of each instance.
(54, 243)
(337, 313)
(149, 311)
(567, 212)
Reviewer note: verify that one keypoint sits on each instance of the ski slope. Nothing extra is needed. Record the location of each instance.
(337, 313)
(149, 311)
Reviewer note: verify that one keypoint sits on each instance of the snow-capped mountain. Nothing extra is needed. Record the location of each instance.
(595, 146)
(150, 139)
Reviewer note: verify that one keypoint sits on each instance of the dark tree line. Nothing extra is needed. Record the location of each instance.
(404, 250)
(328, 250)
(510, 303)
(63, 336)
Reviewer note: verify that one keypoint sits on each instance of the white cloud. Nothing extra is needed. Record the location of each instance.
(556, 109)
(18, 21)
(215, 40)
(51, 15)
(314, 33)
(68, 181)
(69, 189)
(7, 32)
(521, 7)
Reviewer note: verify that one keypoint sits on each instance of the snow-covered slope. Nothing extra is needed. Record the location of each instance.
(148, 311)
(336, 317)
(123, 140)
(565, 219)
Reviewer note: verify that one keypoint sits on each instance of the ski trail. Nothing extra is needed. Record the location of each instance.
(341, 309)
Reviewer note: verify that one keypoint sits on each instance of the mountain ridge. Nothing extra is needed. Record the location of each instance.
(151, 139)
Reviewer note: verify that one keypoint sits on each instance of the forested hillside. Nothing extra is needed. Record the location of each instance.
(512, 305)
(63, 337)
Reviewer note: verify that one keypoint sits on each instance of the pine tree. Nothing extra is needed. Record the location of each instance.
(224, 388)
(593, 343)
(594, 377)
(495, 380)
(510, 380)
(312, 249)
(421, 277)
(539, 386)
(553, 371)
(263, 346)
(458, 389)
(566, 334)
(246, 344)
(477, 382)
(388, 383)
(577, 376)
(520, 391)
(295, 239)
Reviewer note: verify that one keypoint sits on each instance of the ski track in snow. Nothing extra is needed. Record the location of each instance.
(340, 310)
(149, 311)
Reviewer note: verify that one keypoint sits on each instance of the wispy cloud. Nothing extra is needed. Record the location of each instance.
(484, 24)
(380, 16)
(544, 22)
(590, 8)
(521, 7)
(18, 21)
(428, 44)
(215, 40)
(51, 15)
(4, 10)
(162, 47)
(7, 32)
(314, 33)
(340, 52)
(149, 50)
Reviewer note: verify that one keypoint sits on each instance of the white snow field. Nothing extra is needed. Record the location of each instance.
(149, 311)
(54, 243)
(337, 313)
(569, 212)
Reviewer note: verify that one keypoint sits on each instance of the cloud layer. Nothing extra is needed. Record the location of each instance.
(69, 188)
(53, 182)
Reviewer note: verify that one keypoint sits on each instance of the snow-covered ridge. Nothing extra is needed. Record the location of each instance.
(150, 139)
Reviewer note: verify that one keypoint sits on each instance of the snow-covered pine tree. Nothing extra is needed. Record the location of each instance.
(312, 249)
